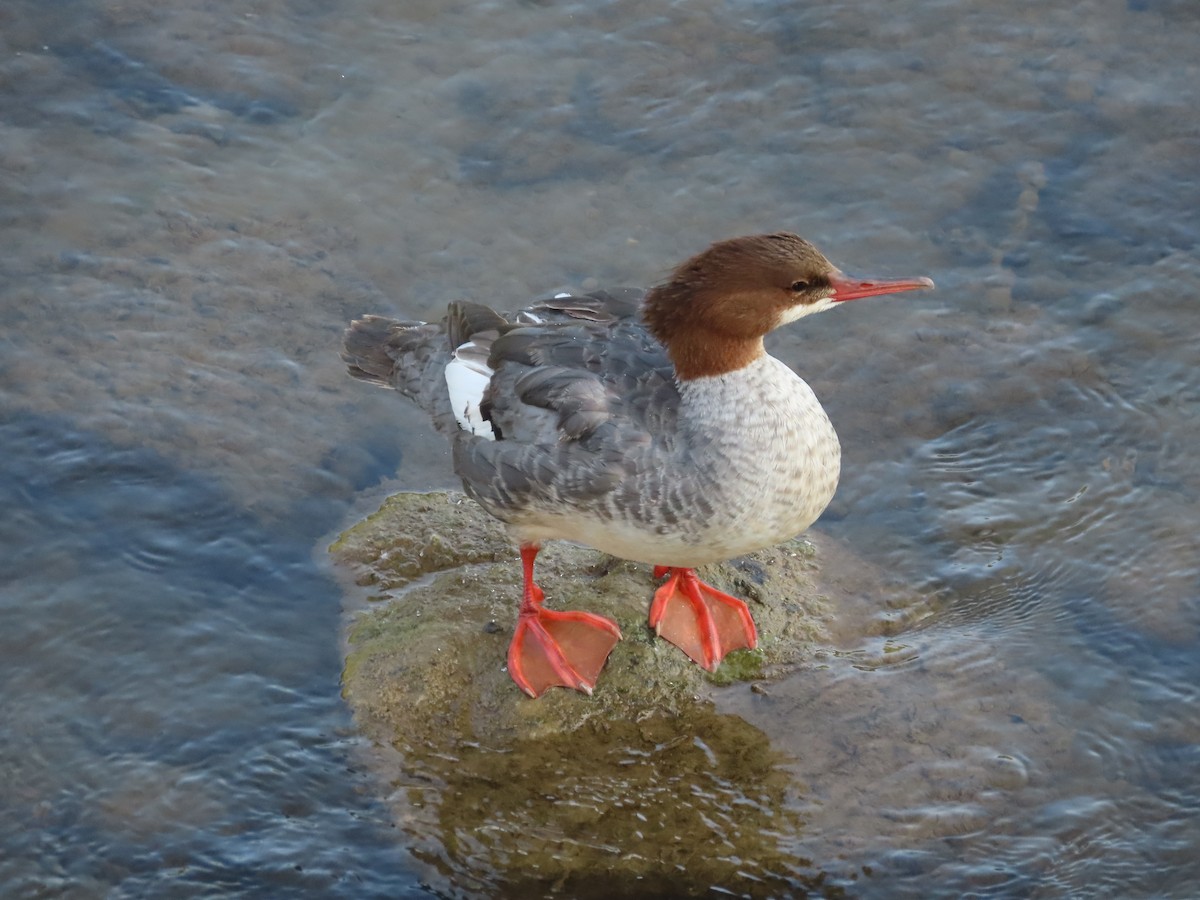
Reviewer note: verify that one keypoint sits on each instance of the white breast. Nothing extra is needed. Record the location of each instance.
(773, 461)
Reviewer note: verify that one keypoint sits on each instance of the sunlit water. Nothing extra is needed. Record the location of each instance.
(194, 199)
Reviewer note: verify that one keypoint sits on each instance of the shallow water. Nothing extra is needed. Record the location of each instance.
(193, 201)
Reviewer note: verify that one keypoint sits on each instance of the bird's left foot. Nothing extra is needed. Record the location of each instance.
(703, 622)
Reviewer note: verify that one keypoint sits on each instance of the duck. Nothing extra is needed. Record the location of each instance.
(651, 425)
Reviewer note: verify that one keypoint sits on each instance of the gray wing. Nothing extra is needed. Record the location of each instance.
(582, 401)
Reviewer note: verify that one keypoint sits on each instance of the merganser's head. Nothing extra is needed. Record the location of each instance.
(713, 311)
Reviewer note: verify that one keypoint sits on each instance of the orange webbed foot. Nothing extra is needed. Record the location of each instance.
(703, 622)
(560, 649)
(556, 649)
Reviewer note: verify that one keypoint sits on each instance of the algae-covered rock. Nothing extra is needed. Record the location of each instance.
(644, 783)
(415, 534)
(427, 656)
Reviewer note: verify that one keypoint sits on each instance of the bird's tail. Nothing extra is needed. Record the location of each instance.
(408, 356)
(368, 348)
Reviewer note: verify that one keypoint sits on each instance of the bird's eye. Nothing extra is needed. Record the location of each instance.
(799, 285)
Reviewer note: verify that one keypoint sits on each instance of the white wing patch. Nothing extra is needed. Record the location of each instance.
(466, 380)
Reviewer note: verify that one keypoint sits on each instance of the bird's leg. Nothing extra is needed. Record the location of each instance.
(701, 621)
(549, 648)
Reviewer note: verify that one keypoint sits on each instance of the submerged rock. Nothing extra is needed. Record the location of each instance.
(644, 783)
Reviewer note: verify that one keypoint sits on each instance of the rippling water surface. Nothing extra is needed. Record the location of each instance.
(193, 200)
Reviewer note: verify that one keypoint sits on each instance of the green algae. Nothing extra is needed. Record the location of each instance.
(740, 665)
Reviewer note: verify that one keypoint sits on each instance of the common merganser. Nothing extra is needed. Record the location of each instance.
(652, 426)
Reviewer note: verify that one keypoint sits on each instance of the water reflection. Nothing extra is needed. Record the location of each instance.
(615, 809)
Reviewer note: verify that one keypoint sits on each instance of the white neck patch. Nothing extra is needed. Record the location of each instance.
(800, 310)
